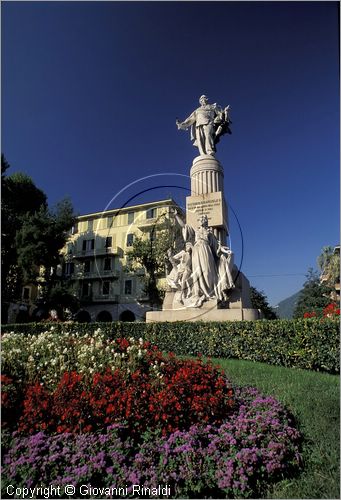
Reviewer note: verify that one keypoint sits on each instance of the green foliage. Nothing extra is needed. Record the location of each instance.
(61, 297)
(314, 295)
(41, 237)
(306, 343)
(20, 198)
(148, 254)
(32, 235)
(260, 301)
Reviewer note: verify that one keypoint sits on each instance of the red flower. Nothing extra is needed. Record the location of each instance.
(165, 392)
(331, 310)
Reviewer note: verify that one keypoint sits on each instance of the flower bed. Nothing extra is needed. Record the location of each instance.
(139, 419)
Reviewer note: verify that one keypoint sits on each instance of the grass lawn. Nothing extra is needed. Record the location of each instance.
(313, 398)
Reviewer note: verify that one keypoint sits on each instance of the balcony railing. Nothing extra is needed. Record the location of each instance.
(95, 252)
(97, 274)
(105, 298)
(147, 223)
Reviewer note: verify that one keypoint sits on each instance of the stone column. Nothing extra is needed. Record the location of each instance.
(207, 176)
(207, 196)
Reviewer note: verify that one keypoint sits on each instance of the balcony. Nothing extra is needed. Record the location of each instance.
(96, 252)
(106, 298)
(96, 274)
(148, 223)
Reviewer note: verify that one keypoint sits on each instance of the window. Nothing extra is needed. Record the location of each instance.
(151, 213)
(128, 285)
(69, 268)
(86, 290)
(88, 244)
(87, 266)
(108, 242)
(130, 239)
(74, 229)
(107, 264)
(106, 288)
(130, 217)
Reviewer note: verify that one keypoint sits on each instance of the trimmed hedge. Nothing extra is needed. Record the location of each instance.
(311, 344)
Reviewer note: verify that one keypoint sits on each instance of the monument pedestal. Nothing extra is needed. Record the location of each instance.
(238, 308)
(202, 314)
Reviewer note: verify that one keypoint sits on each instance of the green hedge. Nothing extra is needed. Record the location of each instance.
(304, 343)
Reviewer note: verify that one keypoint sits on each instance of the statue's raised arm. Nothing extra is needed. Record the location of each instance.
(208, 123)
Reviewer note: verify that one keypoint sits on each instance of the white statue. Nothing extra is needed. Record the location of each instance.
(225, 266)
(208, 123)
(204, 269)
(181, 273)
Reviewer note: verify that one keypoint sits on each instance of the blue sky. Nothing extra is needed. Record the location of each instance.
(91, 91)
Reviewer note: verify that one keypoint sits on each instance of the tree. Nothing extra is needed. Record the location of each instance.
(62, 299)
(39, 241)
(314, 295)
(20, 197)
(32, 235)
(260, 301)
(150, 253)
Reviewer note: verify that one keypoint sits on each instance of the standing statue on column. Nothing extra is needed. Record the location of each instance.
(208, 123)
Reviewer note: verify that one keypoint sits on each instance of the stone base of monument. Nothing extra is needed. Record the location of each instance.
(237, 308)
(202, 314)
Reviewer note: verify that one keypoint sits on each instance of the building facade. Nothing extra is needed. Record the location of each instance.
(96, 256)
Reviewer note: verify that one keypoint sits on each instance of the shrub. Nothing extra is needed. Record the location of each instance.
(303, 343)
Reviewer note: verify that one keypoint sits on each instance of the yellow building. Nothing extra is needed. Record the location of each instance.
(95, 257)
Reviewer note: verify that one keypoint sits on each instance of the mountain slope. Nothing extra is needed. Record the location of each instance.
(286, 307)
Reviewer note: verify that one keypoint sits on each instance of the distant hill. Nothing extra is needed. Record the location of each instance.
(285, 308)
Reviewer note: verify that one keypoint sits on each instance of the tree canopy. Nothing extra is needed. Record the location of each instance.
(314, 295)
(260, 301)
(32, 234)
(149, 254)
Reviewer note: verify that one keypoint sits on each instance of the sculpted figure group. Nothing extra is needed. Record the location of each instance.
(203, 270)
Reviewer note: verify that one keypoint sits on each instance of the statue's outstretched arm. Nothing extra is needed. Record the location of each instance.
(179, 220)
(186, 123)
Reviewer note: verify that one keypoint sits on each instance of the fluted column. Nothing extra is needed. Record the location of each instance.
(207, 176)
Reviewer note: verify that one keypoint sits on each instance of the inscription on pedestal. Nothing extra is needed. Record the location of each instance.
(210, 204)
